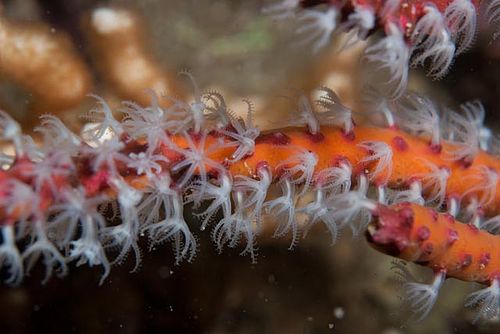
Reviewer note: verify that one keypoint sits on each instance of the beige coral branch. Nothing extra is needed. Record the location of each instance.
(120, 52)
(44, 62)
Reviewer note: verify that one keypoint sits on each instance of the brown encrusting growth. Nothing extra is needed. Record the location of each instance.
(119, 48)
(45, 63)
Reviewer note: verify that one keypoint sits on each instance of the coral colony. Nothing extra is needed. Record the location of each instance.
(423, 188)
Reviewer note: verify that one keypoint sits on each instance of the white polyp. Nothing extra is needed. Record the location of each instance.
(453, 207)
(232, 227)
(475, 113)
(463, 132)
(335, 113)
(146, 163)
(472, 213)
(245, 135)
(374, 102)
(41, 246)
(154, 122)
(57, 135)
(283, 209)
(389, 57)
(73, 208)
(10, 257)
(157, 200)
(306, 116)
(353, 208)
(102, 115)
(460, 17)
(487, 300)
(18, 195)
(106, 154)
(491, 225)
(219, 195)
(334, 180)
(422, 297)
(413, 194)
(432, 42)
(419, 116)
(195, 160)
(382, 154)
(389, 8)
(282, 9)
(255, 191)
(358, 24)
(434, 184)
(88, 249)
(123, 237)
(484, 185)
(320, 210)
(55, 164)
(197, 107)
(173, 227)
(11, 130)
(299, 169)
(317, 26)
(381, 195)
(216, 110)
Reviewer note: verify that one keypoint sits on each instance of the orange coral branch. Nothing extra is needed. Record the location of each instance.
(436, 240)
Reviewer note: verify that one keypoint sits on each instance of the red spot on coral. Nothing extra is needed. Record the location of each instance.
(436, 148)
(317, 137)
(434, 215)
(484, 259)
(262, 165)
(451, 237)
(274, 138)
(466, 162)
(339, 160)
(399, 143)
(349, 136)
(473, 228)
(423, 233)
(96, 182)
(465, 260)
(427, 249)
(196, 136)
(449, 218)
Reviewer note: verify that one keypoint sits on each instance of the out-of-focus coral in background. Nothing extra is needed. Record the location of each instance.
(54, 53)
